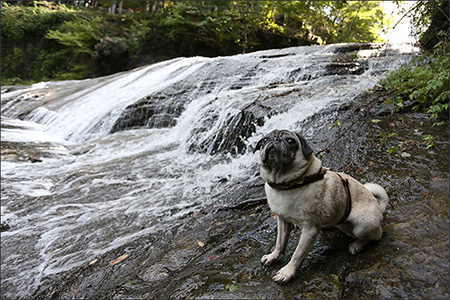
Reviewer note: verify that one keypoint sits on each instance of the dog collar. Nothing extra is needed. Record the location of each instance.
(294, 185)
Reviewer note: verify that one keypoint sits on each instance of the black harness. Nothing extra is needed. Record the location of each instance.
(348, 207)
(313, 178)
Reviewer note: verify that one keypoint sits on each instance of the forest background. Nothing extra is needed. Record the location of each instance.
(60, 40)
(78, 39)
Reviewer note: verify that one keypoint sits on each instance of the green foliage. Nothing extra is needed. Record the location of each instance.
(20, 22)
(337, 21)
(113, 54)
(430, 20)
(24, 54)
(193, 29)
(80, 35)
(422, 86)
(45, 40)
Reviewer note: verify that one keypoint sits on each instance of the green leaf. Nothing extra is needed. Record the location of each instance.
(232, 287)
(337, 123)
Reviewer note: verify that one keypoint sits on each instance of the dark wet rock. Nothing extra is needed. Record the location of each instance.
(232, 135)
(245, 79)
(277, 55)
(346, 68)
(406, 266)
(8, 219)
(5, 225)
(156, 111)
(12, 88)
(21, 104)
(345, 48)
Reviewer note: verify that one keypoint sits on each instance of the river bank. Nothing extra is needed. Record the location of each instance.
(216, 252)
(143, 184)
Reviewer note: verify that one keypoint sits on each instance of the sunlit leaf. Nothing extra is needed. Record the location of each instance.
(337, 123)
(232, 287)
(118, 260)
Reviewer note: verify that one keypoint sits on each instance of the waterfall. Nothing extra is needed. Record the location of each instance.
(108, 160)
(156, 95)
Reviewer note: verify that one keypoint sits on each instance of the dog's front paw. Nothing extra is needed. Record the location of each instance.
(356, 247)
(284, 274)
(268, 259)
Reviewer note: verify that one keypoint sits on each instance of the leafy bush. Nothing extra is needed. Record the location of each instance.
(113, 54)
(423, 86)
(19, 22)
(26, 54)
(78, 38)
(80, 35)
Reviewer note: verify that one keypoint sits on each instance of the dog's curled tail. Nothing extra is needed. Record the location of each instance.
(379, 193)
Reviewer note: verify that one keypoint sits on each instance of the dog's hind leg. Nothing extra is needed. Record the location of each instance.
(284, 228)
(363, 239)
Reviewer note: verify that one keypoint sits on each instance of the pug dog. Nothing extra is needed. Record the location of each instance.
(300, 191)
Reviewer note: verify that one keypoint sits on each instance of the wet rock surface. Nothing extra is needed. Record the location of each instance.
(163, 108)
(180, 212)
(215, 253)
(156, 111)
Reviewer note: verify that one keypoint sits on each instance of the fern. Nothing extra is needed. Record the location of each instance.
(424, 85)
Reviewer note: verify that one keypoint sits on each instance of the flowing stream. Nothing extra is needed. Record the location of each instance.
(79, 179)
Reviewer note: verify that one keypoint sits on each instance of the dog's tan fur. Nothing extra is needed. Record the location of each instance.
(314, 205)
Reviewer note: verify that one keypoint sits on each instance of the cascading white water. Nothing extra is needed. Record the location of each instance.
(93, 191)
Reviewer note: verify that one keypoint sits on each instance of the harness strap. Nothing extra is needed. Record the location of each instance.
(348, 207)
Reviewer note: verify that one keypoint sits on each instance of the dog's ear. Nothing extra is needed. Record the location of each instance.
(259, 144)
(306, 148)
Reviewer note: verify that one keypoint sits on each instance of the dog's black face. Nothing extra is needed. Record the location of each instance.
(279, 148)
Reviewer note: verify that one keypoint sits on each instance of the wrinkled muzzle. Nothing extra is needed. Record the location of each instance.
(276, 155)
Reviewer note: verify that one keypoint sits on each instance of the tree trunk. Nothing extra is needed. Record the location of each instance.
(112, 7)
(120, 7)
(439, 25)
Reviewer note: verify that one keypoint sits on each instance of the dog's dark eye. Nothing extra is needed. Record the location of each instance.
(290, 141)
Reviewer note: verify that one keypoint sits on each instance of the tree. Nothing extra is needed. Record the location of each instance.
(431, 19)
(76, 41)
(423, 85)
(327, 22)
